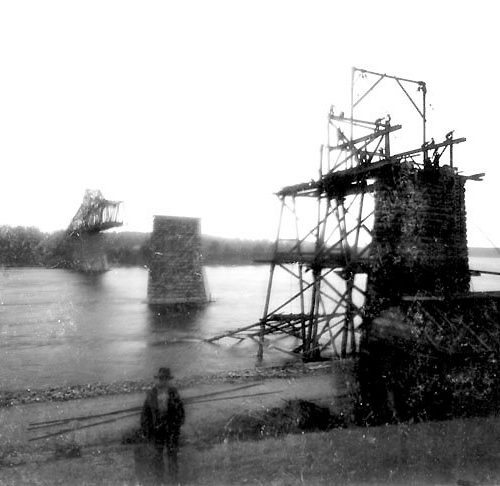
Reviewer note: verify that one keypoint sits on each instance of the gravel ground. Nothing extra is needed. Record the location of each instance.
(205, 421)
(91, 390)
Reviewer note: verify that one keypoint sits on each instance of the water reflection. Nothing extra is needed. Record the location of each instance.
(61, 327)
(58, 326)
(171, 325)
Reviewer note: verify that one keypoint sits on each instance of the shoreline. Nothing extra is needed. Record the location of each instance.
(64, 393)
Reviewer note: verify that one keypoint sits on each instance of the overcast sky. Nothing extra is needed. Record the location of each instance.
(206, 108)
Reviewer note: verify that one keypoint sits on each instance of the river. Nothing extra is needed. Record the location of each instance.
(60, 327)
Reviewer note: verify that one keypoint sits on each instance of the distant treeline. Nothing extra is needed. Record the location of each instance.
(21, 246)
(28, 246)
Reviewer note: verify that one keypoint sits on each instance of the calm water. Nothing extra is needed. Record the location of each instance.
(58, 326)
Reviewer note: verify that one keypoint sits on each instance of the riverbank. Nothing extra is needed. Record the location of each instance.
(27, 456)
(458, 452)
(455, 452)
(10, 398)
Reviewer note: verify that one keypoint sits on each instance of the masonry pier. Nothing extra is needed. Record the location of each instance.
(176, 276)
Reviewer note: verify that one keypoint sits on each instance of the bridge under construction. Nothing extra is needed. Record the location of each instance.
(377, 250)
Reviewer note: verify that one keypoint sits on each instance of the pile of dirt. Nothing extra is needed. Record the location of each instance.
(296, 416)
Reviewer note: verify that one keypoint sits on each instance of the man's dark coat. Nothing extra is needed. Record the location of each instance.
(162, 426)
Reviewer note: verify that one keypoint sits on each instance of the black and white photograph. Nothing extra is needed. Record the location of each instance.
(249, 243)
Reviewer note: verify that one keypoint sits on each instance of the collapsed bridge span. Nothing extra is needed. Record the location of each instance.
(83, 235)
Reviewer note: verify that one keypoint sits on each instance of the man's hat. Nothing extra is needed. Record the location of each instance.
(164, 373)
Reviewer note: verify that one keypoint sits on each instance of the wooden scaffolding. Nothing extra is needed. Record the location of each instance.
(325, 229)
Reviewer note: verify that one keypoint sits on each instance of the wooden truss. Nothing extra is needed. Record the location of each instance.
(324, 232)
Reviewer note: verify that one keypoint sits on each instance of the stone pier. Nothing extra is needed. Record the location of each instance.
(429, 348)
(419, 236)
(176, 275)
(87, 253)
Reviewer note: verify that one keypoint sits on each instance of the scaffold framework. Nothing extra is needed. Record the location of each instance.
(325, 229)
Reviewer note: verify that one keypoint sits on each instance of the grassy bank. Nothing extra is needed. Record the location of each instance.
(458, 452)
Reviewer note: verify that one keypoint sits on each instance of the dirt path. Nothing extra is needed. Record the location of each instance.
(452, 452)
(316, 383)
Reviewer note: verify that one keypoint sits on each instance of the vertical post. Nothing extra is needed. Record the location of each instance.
(352, 315)
(321, 161)
(302, 307)
(314, 324)
(352, 102)
(424, 110)
(341, 224)
(424, 117)
(387, 140)
(347, 319)
(301, 278)
(260, 351)
(309, 343)
(358, 223)
(309, 347)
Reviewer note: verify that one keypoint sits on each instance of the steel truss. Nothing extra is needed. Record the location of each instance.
(94, 215)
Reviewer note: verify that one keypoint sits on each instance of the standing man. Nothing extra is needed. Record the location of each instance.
(161, 420)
